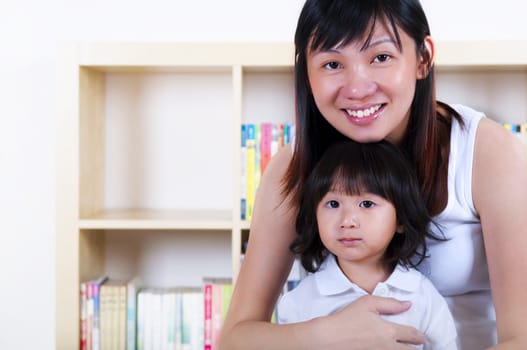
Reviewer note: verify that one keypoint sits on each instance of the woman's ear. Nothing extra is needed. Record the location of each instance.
(399, 229)
(426, 57)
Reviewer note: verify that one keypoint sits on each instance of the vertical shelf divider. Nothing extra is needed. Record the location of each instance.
(67, 200)
(236, 238)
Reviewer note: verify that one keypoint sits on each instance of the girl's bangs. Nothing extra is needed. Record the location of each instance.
(358, 178)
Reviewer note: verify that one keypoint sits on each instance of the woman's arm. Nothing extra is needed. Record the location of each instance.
(265, 269)
(500, 197)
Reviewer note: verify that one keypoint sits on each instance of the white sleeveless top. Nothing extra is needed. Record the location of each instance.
(458, 267)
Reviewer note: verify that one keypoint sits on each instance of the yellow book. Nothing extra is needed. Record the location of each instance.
(121, 317)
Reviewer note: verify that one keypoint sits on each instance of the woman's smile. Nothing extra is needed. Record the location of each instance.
(365, 115)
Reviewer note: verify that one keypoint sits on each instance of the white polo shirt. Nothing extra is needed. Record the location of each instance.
(329, 290)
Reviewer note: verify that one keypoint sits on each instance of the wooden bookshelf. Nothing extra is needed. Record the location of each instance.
(245, 75)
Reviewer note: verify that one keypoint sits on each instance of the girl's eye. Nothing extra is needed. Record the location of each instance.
(332, 65)
(382, 58)
(366, 204)
(332, 204)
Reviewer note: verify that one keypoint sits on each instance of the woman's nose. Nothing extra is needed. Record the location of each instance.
(358, 84)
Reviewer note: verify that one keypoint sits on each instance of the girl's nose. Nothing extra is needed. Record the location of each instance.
(349, 220)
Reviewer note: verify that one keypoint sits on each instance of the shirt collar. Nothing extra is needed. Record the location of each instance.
(404, 278)
(331, 280)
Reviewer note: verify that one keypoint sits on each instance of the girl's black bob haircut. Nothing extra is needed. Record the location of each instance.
(379, 168)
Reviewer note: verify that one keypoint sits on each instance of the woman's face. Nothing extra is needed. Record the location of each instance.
(366, 92)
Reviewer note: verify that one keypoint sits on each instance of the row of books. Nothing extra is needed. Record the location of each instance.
(520, 130)
(117, 315)
(259, 142)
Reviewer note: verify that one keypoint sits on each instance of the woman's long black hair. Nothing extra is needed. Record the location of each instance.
(379, 168)
(325, 24)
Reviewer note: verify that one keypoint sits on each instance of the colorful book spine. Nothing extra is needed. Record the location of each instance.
(122, 310)
(226, 294)
(275, 137)
(217, 315)
(156, 320)
(89, 315)
(192, 321)
(92, 313)
(141, 327)
(207, 324)
(244, 173)
(131, 313)
(96, 314)
(250, 169)
(260, 142)
(178, 314)
(105, 317)
(169, 320)
(83, 312)
(265, 145)
(217, 293)
(257, 159)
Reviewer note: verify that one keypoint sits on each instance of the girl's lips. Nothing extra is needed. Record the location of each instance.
(350, 241)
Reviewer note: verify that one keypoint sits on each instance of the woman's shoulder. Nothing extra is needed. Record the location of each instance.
(490, 134)
(499, 157)
(277, 166)
(470, 117)
(280, 160)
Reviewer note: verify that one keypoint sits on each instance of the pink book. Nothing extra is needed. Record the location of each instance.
(207, 326)
(217, 314)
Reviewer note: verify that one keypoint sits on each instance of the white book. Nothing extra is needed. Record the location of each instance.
(131, 312)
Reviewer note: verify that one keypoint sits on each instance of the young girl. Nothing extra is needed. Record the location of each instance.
(364, 71)
(360, 222)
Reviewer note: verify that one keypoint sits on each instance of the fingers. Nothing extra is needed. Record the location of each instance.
(403, 347)
(404, 335)
(386, 306)
(408, 335)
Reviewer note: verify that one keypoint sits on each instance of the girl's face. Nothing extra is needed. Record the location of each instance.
(356, 228)
(366, 92)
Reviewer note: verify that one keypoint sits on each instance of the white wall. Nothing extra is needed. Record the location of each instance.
(29, 31)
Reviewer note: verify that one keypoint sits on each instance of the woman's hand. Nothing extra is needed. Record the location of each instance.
(359, 326)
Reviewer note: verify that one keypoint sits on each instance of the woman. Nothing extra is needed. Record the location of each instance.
(364, 71)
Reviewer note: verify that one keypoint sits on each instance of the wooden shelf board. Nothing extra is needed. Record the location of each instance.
(122, 56)
(108, 56)
(142, 219)
(484, 54)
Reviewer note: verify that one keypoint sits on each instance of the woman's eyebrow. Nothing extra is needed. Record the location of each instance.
(374, 43)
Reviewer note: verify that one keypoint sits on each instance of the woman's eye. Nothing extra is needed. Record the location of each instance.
(366, 204)
(332, 65)
(382, 58)
(332, 204)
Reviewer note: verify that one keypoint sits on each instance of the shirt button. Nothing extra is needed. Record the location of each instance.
(382, 290)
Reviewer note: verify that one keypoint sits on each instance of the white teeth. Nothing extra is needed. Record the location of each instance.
(363, 112)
